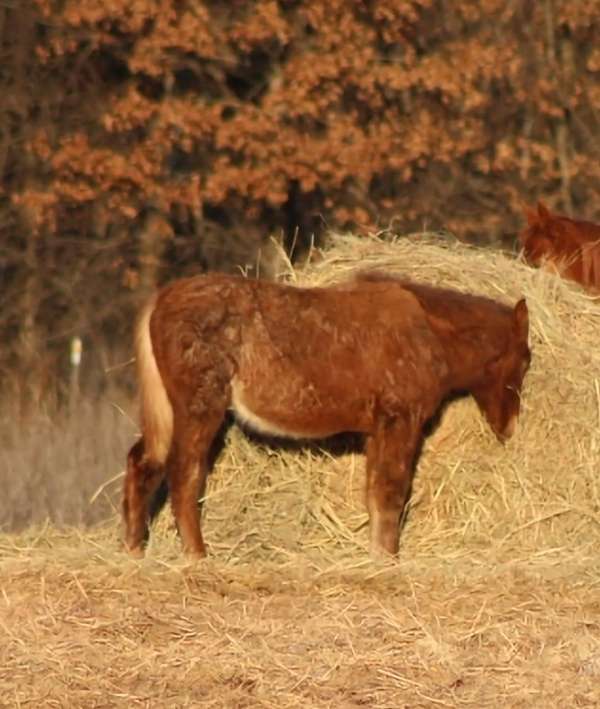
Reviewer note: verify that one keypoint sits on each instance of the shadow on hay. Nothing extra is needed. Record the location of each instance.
(333, 446)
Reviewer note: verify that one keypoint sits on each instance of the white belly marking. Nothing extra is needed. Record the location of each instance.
(246, 416)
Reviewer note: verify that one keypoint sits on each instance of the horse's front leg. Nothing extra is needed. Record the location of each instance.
(390, 453)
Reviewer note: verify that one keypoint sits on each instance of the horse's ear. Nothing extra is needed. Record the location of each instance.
(543, 212)
(521, 320)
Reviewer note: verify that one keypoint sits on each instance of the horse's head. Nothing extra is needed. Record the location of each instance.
(498, 391)
(539, 238)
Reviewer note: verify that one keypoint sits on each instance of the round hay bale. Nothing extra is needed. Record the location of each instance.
(472, 496)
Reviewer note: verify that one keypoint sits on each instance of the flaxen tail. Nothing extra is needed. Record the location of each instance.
(156, 410)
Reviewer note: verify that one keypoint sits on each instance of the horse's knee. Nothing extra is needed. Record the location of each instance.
(390, 492)
(135, 455)
(142, 476)
(184, 491)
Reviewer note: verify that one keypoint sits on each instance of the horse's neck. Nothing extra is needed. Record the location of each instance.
(469, 347)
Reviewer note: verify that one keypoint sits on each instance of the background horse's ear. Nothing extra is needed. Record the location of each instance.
(543, 212)
(531, 215)
(521, 319)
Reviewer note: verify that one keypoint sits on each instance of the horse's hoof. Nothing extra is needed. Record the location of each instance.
(379, 553)
(135, 552)
(195, 555)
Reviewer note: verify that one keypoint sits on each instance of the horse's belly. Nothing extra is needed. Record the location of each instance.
(299, 414)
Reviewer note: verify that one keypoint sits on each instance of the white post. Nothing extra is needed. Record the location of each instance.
(75, 359)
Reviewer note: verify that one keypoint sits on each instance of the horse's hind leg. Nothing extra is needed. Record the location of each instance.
(142, 480)
(390, 457)
(187, 468)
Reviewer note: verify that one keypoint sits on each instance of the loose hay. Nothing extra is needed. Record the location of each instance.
(494, 600)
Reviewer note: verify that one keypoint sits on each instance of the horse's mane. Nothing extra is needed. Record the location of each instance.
(432, 297)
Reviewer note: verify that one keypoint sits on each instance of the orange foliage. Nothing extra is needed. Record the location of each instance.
(358, 112)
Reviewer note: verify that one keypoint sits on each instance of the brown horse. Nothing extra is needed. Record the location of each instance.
(376, 355)
(569, 247)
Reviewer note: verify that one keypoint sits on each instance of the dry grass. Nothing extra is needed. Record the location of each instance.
(55, 463)
(494, 602)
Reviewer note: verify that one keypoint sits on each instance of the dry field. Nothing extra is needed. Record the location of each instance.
(493, 602)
